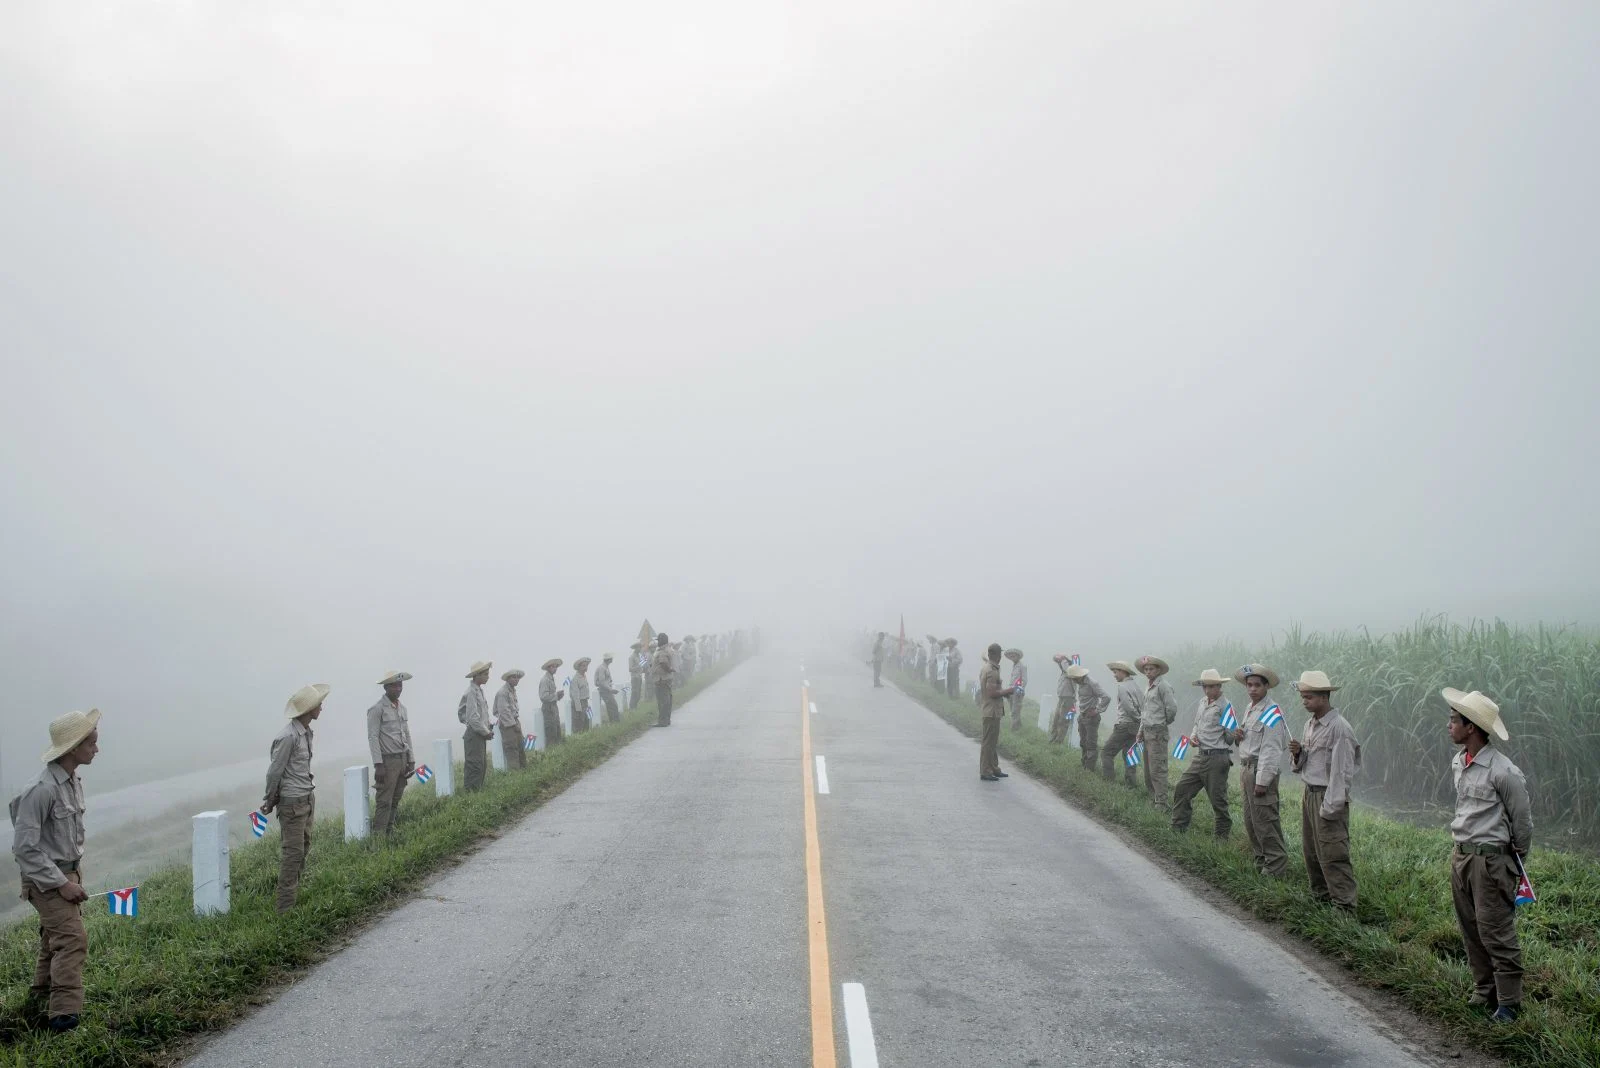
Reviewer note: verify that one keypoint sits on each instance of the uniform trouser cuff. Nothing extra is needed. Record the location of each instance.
(1507, 988)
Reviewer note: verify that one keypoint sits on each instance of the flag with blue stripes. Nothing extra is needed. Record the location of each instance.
(527, 742)
(258, 823)
(1230, 722)
(124, 902)
(1131, 755)
(424, 773)
(1181, 750)
(1272, 716)
(1525, 894)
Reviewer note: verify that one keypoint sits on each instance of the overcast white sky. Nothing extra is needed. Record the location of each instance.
(341, 337)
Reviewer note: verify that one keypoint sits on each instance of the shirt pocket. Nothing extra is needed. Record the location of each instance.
(1476, 792)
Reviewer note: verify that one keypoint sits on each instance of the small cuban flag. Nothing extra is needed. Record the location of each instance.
(424, 773)
(1230, 722)
(124, 902)
(258, 823)
(527, 742)
(1181, 750)
(1072, 714)
(1131, 755)
(1525, 894)
(1272, 716)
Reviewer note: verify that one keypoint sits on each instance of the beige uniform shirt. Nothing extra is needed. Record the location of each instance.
(289, 773)
(1492, 806)
(992, 704)
(602, 679)
(1207, 731)
(1092, 700)
(47, 827)
(580, 692)
(1328, 759)
(506, 713)
(1158, 705)
(1266, 744)
(474, 711)
(1019, 674)
(661, 667)
(388, 730)
(1064, 683)
(549, 692)
(1130, 700)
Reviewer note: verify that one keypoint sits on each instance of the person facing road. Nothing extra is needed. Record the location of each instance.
(1125, 731)
(1262, 745)
(1019, 686)
(608, 689)
(877, 659)
(992, 700)
(508, 720)
(291, 788)
(1212, 743)
(661, 674)
(1092, 701)
(579, 695)
(389, 745)
(550, 702)
(1158, 708)
(1326, 763)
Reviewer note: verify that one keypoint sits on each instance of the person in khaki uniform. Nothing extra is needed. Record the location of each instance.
(580, 695)
(1263, 741)
(992, 700)
(662, 674)
(1212, 757)
(389, 743)
(1064, 700)
(550, 702)
(1158, 708)
(1326, 763)
(953, 668)
(292, 789)
(1019, 686)
(1493, 831)
(636, 665)
(47, 836)
(473, 712)
(1092, 702)
(608, 689)
(508, 720)
(1130, 699)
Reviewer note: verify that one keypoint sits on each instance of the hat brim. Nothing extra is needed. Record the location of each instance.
(1157, 661)
(92, 720)
(1218, 681)
(398, 676)
(1456, 700)
(550, 665)
(1314, 689)
(1120, 665)
(322, 688)
(1263, 672)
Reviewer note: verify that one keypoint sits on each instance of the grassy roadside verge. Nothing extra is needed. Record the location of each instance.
(168, 975)
(1404, 937)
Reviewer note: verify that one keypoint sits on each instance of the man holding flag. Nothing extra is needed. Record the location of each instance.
(1493, 830)
(1212, 738)
(1263, 742)
(292, 790)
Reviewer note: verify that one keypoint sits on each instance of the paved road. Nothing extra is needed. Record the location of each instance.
(655, 914)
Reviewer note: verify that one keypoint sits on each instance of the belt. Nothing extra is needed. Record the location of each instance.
(1482, 849)
(1215, 752)
(1249, 762)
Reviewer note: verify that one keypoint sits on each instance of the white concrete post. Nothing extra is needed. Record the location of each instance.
(444, 767)
(497, 752)
(211, 880)
(357, 819)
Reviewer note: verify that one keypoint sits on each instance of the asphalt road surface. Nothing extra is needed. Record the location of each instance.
(657, 914)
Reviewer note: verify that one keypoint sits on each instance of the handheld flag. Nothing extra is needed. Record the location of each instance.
(124, 902)
(424, 773)
(1230, 722)
(1525, 894)
(258, 823)
(1272, 716)
(1181, 750)
(527, 742)
(1131, 755)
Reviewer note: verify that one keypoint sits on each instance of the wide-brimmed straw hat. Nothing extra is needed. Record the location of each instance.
(1210, 677)
(551, 664)
(1244, 673)
(479, 668)
(1157, 661)
(1014, 652)
(395, 676)
(1315, 682)
(581, 662)
(305, 699)
(1121, 665)
(514, 673)
(68, 732)
(608, 656)
(1077, 671)
(1477, 708)
(637, 645)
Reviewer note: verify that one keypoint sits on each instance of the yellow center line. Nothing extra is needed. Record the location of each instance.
(823, 1054)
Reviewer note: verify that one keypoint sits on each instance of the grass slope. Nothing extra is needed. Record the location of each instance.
(168, 975)
(1404, 937)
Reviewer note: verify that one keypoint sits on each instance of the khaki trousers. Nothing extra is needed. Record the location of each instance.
(1016, 711)
(1326, 846)
(663, 704)
(511, 745)
(989, 746)
(1155, 765)
(396, 771)
(580, 720)
(1208, 772)
(1058, 722)
(551, 714)
(1122, 736)
(63, 947)
(613, 713)
(1089, 738)
(296, 817)
(635, 691)
(1262, 825)
(475, 750)
(953, 679)
(1485, 894)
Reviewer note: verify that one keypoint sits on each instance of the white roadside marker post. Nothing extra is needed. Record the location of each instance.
(212, 884)
(444, 767)
(357, 820)
(497, 753)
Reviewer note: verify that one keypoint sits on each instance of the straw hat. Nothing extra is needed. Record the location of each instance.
(395, 676)
(1210, 677)
(580, 663)
(1265, 672)
(1121, 665)
(305, 699)
(1077, 671)
(608, 658)
(551, 664)
(1474, 706)
(514, 673)
(1014, 652)
(68, 732)
(1157, 661)
(637, 645)
(1315, 681)
(479, 668)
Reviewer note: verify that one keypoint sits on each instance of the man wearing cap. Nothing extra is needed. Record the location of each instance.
(953, 668)
(1493, 830)
(992, 702)
(1326, 763)
(389, 743)
(1125, 731)
(473, 712)
(550, 702)
(1213, 756)
(877, 660)
(1019, 686)
(608, 691)
(661, 674)
(291, 788)
(47, 842)
(636, 665)
(1092, 701)
(1158, 708)
(508, 720)
(580, 695)
(1263, 740)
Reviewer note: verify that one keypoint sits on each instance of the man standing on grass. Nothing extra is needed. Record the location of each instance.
(661, 673)
(1493, 831)
(1130, 701)
(1158, 708)
(508, 719)
(953, 669)
(473, 712)
(550, 702)
(636, 663)
(1064, 699)
(1326, 763)
(608, 689)
(1092, 701)
(1263, 741)
(389, 744)
(992, 700)
(47, 842)
(1019, 686)
(1212, 741)
(877, 660)
(291, 788)
(935, 664)
(580, 695)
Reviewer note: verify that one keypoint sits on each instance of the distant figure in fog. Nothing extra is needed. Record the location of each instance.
(389, 745)
(662, 673)
(953, 668)
(473, 712)
(508, 720)
(550, 702)
(877, 660)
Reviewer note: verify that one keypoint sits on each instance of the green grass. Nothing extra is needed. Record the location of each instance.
(166, 976)
(1404, 937)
